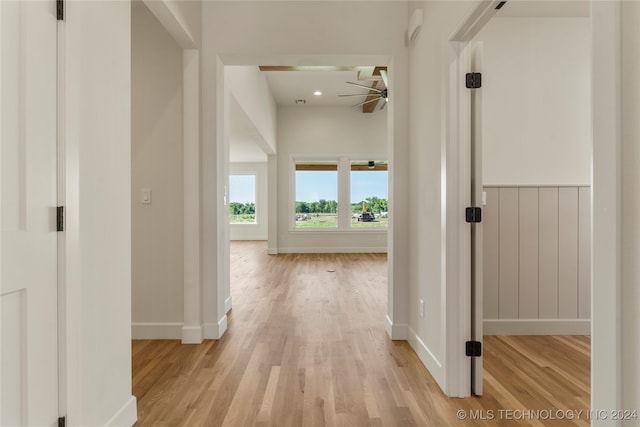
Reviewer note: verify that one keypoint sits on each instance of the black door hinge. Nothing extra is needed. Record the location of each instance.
(62, 422)
(473, 348)
(473, 80)
(473, 214)
(60, 218)
(60, 10)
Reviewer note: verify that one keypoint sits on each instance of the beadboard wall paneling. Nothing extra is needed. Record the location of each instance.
(491, 253)
(508, 252)
(548, 260)
(584, 253)
(537, 258)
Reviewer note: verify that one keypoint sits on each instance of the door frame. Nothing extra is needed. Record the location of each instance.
(395, 330)
(606, 286)
(458, 232)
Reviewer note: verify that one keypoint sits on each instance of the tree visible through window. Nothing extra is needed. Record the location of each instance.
(242, 199)
(369, 194)
(316, 195)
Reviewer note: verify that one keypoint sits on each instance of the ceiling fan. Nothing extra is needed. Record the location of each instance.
(374, 95)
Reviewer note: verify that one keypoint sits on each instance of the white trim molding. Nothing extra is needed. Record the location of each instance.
(396, 331)
(228, 304)
(606, 74)
(333, 250)
(537, 326)
(215, 331)
(126, 416)
(427, 357)
(192, 335)
(156, 331)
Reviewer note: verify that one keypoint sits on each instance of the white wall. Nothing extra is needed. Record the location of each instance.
(156, 164)
(181, 18)
(249, 87)
(537, 260)
(96, 134)
(536, 89)
(630, 206)
(430, 58)
(332, 132)
(299, 33)
(259, 230)
(188, 13)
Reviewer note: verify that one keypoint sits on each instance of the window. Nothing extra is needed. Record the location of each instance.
(316, 195)
(322, 187)
(242, 199)
(369, 194)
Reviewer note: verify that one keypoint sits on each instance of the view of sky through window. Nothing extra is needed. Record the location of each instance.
(313, 186)
(242, 199)
(365, 184)
(242, 188)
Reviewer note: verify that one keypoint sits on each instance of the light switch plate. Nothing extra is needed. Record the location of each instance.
(145, 196)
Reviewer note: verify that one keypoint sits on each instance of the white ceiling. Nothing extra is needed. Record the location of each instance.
(544, 9)
(288, 86)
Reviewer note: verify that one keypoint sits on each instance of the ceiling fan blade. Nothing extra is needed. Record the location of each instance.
(365, 87)
(376, 99)
(359, 94)
(383, 73)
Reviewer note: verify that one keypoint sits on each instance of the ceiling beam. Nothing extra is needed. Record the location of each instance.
(370, 107)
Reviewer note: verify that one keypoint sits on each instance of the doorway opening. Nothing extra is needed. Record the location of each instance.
(297, 207)
(533, 260)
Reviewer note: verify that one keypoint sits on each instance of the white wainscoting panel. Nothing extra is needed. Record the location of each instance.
(548, 259)
(537, 259)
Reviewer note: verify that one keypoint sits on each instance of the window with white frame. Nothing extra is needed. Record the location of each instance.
(321, 187)
(369, 194)
(316, 194)
(242, 199)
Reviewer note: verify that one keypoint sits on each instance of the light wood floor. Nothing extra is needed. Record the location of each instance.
(306, 346)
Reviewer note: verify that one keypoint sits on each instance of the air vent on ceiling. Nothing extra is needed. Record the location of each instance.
(301, 101)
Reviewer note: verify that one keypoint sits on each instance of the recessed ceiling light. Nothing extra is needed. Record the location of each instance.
(317, 93)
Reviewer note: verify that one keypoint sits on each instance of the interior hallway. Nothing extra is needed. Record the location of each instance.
(306, 346)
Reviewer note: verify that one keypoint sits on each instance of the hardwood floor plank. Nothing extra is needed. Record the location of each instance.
(307, 347)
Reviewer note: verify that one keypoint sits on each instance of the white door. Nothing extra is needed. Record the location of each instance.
(28, 238)
(475, 121)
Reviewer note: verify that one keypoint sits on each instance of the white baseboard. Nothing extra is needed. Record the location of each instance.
(427, 357)
(192, 335)
(396, 331)
(126, 416)
(228, 303)
(156, 331)
(536, 327)
(333, 250)
(236, 236)
(272, 251)
(215, 331)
